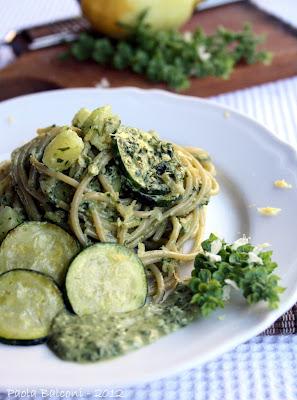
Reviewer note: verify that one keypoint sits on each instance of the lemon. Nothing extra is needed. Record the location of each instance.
(106, 16)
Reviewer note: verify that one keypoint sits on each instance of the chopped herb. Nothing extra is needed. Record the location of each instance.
(64, 148)
(242, 266)
(173, 57)
(59, 160)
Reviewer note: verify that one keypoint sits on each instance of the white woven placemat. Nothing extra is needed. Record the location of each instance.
(286, 10)
(264, 368)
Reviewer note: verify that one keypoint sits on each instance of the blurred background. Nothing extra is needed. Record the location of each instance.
(137, 43)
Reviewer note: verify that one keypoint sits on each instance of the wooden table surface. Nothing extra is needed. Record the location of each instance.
(42, 70)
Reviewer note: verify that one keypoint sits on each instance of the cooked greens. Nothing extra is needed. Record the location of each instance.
(240, 265)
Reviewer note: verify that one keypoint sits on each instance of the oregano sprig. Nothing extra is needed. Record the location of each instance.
(244, 266)
(173, 57)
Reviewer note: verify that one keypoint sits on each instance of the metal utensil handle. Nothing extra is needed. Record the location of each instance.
(47, 35)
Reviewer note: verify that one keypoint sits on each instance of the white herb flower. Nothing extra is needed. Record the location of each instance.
(202, 53)
(240, 242)
(188, 36)
(213, 257)
(254, 258)
(215, 246)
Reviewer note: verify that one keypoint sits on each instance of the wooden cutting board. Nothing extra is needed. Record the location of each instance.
(42, 70)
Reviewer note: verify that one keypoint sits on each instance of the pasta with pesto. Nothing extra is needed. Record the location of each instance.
(105, 182)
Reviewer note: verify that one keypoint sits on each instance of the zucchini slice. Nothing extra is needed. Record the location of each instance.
(106, 278)
(38, 246)
(151, 165)
(29, 301)
(160, 200)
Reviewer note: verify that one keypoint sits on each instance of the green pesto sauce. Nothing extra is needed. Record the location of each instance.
(101, 337)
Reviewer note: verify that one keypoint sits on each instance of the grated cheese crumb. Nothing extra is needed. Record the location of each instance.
(104, 83)
(93, 169)
(10, 120)
(282, 184)
(269, 211)
(227, 114)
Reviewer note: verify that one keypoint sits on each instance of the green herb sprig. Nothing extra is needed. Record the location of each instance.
(255, 280)
(173, 57)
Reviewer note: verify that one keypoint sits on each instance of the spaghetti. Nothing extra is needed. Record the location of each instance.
(86, 201)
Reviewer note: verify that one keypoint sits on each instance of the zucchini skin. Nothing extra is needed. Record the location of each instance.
(159, 200)
(18, 342)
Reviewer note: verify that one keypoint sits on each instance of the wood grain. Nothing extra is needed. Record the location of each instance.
(42, 70)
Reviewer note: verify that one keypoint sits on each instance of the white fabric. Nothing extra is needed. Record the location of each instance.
(273, 104)
(214, 3)
(17, 14)
(283, 9)
(265, 368)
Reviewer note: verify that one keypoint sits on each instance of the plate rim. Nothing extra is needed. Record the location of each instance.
(236, 339)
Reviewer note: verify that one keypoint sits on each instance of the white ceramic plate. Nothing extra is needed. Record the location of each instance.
(248, 159)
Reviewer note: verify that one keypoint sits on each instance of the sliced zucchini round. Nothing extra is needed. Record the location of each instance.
(160, 200)
(149, 163)
(29, 301)
(106, 278)
(38, 246)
